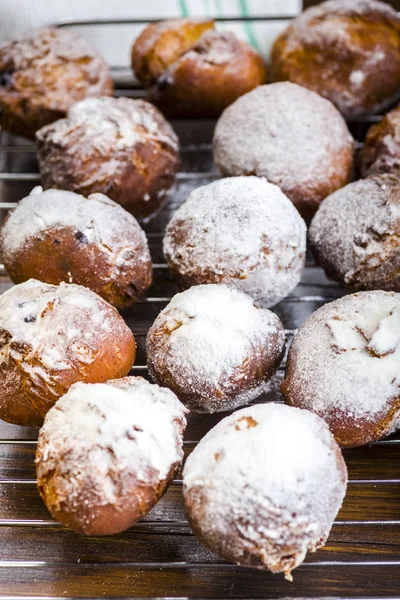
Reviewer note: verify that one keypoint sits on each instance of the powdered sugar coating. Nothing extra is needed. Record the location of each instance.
(289, 135)
(52, 336)
(381, 150)
(117, 146)
(239, 230)
(344, 365)
(47, 48)
(346, 50)
(214, 348)
(100, 219)
(100, 438)
(114, 243)
(264, 486)
(355, 234)
(51, 320)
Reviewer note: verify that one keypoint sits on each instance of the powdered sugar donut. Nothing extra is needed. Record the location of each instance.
(355, 234)
(381, 150)
(242, 231)
(291, 136)
(347, 51)
(116, 146)
(107, 453)
(263, 487)
(344, 365)
(52, 336)
(59, 236)
(214, 348)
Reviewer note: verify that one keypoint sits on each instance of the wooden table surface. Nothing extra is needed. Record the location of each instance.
(159, 556)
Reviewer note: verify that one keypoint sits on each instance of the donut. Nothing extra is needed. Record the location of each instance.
(193, 70)
(264, 486)
(346, 50)
(107, 453)
(289, 135)
(355, 235)
(162, 43)
(214, 348)
(381, 150)
(119, 147)
(56, 236)
(242, 231)
(344, 365)
(51, 337)
(43, 73)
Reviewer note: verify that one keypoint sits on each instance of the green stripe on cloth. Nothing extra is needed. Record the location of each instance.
(183, 8)
(247, 25)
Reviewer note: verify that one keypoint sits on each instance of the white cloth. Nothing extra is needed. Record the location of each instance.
(114, 41)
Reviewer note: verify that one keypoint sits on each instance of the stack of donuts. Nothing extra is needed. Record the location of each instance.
(264, 486)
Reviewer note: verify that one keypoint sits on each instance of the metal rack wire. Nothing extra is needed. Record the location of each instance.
(159, 556)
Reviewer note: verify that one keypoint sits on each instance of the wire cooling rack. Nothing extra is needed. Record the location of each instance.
(159, 556)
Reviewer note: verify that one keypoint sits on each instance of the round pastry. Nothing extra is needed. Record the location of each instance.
(162, 43)
(52, 336)
(264, 486)
(344, 365)
(43, 74)
(59, 236)
(107, 453)
(355, 235)
(120, 147)
(291, 136)
(381, 150)
(193, 70)
(346, 50)
(243, 231)
(214, 348)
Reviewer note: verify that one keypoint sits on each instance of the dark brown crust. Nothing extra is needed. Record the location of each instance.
(45, 73)
(381, 150)
(209, 77)
(328, 43)
(161, 44)
(144, 174)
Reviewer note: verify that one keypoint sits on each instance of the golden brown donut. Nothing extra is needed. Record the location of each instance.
(355, 235)
(161, 44)
(43, 74)
(193, 70)
(264, 486)
(216, 70)
(51, 337)
(107, 453)
(289, 135)
(120, 147)
(381, 150)
(214, 348)
(344, 365)
(57, 236)
(346, 50)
